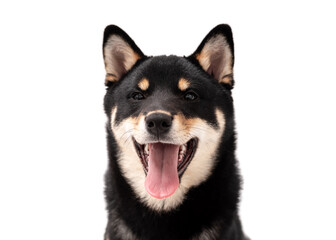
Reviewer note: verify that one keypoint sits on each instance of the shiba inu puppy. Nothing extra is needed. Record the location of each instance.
(172, 170)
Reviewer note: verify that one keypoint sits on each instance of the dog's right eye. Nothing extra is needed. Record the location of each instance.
(137, 96)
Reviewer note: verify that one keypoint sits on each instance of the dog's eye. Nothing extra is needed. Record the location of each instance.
(137, 96)
(190, 96)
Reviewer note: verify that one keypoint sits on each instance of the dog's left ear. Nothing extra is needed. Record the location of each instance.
(120, 53)
(215, 55)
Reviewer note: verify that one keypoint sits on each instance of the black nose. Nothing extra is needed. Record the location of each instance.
(158, 123)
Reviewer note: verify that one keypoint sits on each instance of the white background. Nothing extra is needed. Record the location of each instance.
(52, 136)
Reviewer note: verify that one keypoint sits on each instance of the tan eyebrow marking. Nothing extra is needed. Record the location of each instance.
(183, 84)
(143, 84)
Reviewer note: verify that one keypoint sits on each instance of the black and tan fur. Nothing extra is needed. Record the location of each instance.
(171, 100)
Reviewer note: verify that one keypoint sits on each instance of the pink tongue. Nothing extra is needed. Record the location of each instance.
(162, 177)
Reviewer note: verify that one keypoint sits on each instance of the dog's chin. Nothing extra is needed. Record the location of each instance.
(164, 164)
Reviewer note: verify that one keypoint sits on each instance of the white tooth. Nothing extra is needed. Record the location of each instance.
(184, 148)
(182, 152)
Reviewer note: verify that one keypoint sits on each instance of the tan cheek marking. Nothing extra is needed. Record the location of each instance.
(143, 84)
(135, 121)
(183, 84)
(185, 124)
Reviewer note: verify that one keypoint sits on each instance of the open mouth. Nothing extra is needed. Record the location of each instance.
(185, 154)
(164, 164)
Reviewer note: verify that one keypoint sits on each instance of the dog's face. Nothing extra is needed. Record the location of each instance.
(168, 114)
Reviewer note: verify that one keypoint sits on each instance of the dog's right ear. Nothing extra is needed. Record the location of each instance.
(120, 53)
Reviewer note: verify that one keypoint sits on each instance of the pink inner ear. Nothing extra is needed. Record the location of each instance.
(119, 56)
(118, 62)
(216, 64)
(216, 58)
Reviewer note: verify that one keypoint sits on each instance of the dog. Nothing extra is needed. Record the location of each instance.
(172, 172)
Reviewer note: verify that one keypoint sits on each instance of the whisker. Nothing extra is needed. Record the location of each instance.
(128, 139)
(194, 127)
(128, 131)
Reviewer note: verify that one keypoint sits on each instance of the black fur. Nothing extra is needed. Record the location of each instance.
(216, 199)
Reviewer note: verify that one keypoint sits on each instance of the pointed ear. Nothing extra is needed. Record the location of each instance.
(215, 54)
(120, 53)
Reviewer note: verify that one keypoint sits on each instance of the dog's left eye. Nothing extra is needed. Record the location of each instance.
(137, 96)
(190, 96)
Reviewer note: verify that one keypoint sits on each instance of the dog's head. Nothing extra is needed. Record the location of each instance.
(168, 114)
